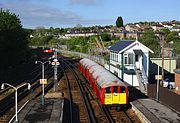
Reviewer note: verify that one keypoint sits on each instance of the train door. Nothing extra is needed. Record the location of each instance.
(108, 96)
(122, 95)
(86, 73)
(116, 95)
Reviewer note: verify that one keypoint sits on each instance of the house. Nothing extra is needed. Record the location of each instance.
(132, 28)
(129, 60)
(175, 23)
(167, 25)
(157, 27)
(143, 27)
(175, 28)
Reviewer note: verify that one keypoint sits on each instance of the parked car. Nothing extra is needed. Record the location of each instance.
(168, 83)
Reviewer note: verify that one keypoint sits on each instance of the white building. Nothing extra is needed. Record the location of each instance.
(129, 60)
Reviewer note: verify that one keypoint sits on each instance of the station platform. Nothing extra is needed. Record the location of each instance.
(150, 111)
(34, 112)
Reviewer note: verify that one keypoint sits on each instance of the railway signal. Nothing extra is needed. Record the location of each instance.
(47, 51)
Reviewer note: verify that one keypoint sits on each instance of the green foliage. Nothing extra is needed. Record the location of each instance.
(176, 46)
(13, 40)
(105, 37)
(39, 41)
(172, 36)
(149, 39)
(119, 22)
(165, 31)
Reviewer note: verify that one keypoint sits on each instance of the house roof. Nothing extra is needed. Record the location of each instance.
(120, 45)
(123, 45)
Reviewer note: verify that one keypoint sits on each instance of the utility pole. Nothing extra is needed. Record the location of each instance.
(162, 61)
(157, 87)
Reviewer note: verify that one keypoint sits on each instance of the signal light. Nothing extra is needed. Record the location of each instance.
(48, 51)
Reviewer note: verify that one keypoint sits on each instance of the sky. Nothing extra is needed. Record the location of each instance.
(69, 13)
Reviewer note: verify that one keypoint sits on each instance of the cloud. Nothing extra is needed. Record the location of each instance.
(1, 5)
(83, 2)
(33, 15)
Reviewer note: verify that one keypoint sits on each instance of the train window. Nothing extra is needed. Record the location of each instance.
(115, 89)
(123, 89)
(108, 90)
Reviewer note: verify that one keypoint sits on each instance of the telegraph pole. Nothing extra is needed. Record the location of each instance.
(163, 61)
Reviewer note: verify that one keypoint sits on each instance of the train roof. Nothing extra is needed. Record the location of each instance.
(87, 62)
(103, 76)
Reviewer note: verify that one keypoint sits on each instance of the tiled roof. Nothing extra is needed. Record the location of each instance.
(120, 45)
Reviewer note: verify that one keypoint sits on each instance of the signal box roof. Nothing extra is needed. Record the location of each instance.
(120, 45)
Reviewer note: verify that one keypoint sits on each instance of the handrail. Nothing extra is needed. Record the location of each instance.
(142, 83)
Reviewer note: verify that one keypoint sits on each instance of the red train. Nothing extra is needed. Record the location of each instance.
(110, 90)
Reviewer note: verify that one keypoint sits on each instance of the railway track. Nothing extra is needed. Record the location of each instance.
(24, 96)
(79, 106)
(98, 112)
(103, 114)
(34, 75)
(82, 104)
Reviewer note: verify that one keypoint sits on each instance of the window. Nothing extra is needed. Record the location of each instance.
(115, 89)
(116, 57)
(125, 58)
(123, 89)
(128, 58)
(115, 73)
(136, 58)
(108, 90)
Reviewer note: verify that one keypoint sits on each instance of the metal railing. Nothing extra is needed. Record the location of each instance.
(142, 79)
(99, 59)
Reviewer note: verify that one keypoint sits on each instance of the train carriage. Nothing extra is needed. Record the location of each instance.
(109, 89)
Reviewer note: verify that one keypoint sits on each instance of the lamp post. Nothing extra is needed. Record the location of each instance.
(42, 63)
(15, 88)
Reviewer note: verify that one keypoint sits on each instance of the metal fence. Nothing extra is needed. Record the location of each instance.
(99, 59)
(166, 96)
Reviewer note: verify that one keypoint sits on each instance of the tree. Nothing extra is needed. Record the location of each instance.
(172, 36)
(149, 39)
(119, 22)
(13, 40)
(105, 37)
(165, 31)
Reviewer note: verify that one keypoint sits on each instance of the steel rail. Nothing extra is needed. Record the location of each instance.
(87, 104)
(70, 95)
